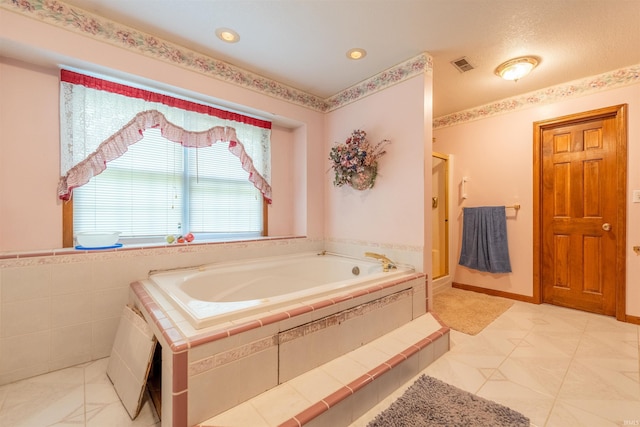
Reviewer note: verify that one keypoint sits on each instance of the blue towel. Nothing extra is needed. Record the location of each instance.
(484, 239)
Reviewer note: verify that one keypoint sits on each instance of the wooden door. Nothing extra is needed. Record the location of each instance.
(582, 212)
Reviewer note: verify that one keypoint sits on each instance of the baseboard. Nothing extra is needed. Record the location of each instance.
(628, 318)
(494, 292)
(632, 319)
(441, 287)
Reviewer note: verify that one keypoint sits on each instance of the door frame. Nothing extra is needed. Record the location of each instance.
(619, 113)
(447, 250)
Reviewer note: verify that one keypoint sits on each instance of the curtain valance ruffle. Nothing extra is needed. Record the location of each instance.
(117, 144)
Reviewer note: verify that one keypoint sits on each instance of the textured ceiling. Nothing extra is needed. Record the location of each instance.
(303, 43)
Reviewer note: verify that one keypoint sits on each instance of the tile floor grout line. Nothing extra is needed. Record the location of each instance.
(506, 357)
(564, 377)
(84, 393)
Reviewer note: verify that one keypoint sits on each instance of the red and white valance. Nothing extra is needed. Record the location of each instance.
(101, 119)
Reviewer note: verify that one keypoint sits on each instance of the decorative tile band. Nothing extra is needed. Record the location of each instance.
(237, 353)
(343, 316)
(610, 80)
(71, 255)
(375, 245)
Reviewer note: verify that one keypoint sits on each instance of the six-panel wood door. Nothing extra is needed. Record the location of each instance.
(579, 215)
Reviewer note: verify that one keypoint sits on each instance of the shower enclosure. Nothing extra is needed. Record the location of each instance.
(440, 215)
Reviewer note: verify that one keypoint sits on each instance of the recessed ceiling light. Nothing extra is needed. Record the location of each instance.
(227, 35)
(515, 69)
(356, 53)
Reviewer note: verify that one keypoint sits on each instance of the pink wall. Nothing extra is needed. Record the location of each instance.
(281, 212)
(30, 215)
(393, 211)
(372, 215)
(496, 155)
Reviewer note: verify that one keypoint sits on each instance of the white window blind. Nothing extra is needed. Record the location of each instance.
(159, 188)
(237, 205)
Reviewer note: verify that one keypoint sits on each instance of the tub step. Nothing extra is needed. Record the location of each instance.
(340, 391)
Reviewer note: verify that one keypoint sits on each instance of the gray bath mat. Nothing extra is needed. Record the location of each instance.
(431, 402)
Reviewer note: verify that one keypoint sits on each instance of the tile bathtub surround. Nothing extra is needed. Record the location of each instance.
(203, 377)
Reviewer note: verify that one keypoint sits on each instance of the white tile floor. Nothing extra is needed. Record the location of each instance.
(77, 396)
(557, 366)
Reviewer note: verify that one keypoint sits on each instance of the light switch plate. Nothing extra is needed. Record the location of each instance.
(636, 196)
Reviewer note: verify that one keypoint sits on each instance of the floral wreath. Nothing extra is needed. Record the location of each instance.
(355, 162)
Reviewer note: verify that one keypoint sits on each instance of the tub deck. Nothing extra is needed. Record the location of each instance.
(211, 295)
(208, 371)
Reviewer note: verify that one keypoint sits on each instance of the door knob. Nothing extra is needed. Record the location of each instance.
(606, 226)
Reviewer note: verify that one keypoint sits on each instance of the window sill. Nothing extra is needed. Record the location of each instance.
(137, 247)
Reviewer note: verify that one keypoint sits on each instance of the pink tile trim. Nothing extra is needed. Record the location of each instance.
(423, 343)
(180, 412)
(321, 304)
(360, 382)
(274, 318)
(291, 422)
(410, 351)
(175, 339)
(180, 371)
(244, 327)
(311, 412)
(299, 311)
(209, 337)
(342, 298)
(396, 360)
(337, 396)
(437, 334)
(379, 370)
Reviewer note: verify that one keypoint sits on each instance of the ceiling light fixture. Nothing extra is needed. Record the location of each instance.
(356, 53)
(517, 68)
(227, 35)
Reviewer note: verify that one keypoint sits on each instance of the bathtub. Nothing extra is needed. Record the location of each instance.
(223, 292)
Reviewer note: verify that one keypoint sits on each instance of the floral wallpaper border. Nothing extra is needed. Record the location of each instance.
(78, 20)
(61, 14)
(420, 64)
(609, 80)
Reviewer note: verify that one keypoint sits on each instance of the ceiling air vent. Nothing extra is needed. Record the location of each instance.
(462, 64)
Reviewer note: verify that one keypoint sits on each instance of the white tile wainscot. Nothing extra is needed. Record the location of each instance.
(61, 307)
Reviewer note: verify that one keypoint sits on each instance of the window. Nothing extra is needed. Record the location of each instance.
(169, 180)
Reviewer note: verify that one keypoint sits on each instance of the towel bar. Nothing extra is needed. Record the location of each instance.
(516, 206)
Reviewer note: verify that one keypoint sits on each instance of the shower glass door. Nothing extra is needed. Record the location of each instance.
(440, 215)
